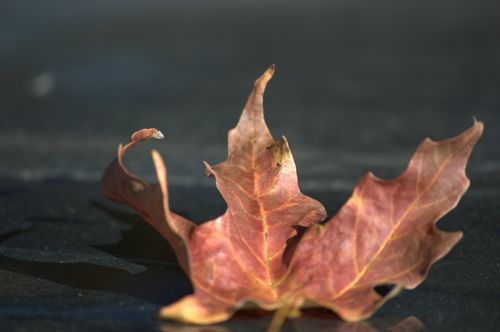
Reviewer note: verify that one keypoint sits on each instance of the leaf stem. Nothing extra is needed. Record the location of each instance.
(289, 310)
(279, 318)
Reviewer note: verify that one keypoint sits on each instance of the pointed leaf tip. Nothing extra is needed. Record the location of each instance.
(261, 82)
(479, 124)
(271, 68)
(208, 169)
(159, 164)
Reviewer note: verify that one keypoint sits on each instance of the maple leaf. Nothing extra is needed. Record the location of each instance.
(385, 233)
(238, 256)
(252, 254)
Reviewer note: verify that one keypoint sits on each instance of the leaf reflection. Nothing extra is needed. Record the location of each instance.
(318, 321)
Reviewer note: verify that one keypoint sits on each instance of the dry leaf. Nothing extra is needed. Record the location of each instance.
(385, 233)
(253, 256)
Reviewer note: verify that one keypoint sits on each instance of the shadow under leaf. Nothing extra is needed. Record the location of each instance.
(164, 282)
(161, 283)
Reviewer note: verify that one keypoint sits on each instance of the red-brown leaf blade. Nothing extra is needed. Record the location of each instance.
(385, 233)
(150, 200)
(237, 257)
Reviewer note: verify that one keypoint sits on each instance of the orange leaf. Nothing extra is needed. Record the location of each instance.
(252, 255)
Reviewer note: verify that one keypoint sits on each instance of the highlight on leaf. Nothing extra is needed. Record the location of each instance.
(251, 256)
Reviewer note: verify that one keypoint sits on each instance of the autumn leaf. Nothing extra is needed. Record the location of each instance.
(239, 256)
(252, 255)
(385, 233)
(150, 200)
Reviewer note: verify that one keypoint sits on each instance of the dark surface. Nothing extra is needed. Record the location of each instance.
(358, 85)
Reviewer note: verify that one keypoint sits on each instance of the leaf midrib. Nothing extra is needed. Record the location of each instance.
(262, 214)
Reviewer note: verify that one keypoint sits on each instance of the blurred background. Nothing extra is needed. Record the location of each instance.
(358, 85)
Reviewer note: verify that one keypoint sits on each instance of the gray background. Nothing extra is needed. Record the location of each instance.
(358, 85)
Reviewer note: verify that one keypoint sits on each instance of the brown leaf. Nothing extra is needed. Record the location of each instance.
(251, 256)
(237, 257)
(385, 233)
(150, 200)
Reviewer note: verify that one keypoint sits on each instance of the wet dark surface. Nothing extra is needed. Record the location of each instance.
(358, 85)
